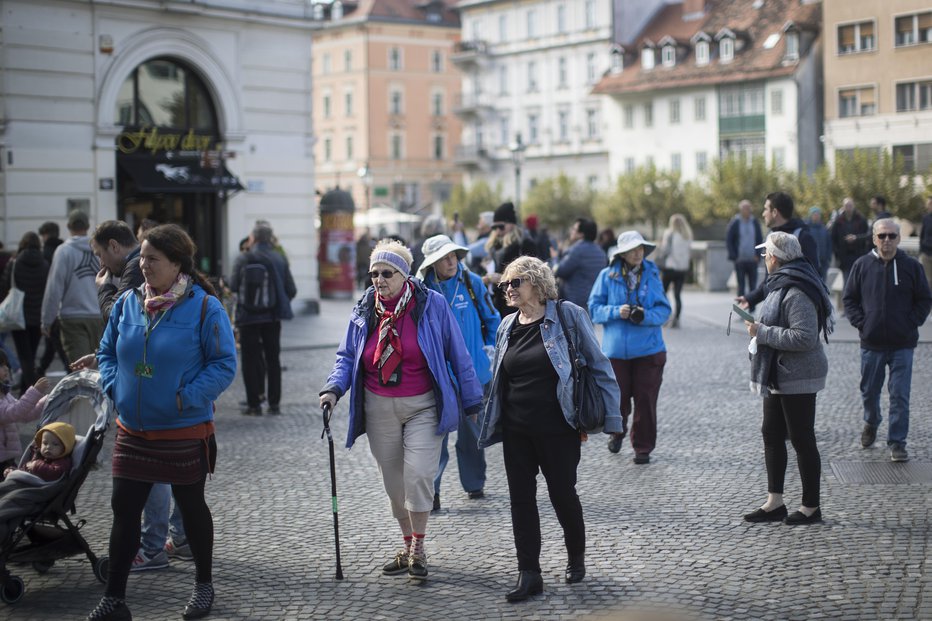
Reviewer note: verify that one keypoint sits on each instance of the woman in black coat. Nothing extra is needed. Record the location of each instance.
(29, 270)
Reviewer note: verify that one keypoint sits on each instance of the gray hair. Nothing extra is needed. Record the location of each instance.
(262, 233)
(538, 274)
(885, 222)
(783, 246)
(433, 225)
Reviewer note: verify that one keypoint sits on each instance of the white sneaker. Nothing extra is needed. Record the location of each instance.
(142, 562)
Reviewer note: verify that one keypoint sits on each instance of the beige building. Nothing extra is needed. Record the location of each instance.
(384, 90)
(878, 78)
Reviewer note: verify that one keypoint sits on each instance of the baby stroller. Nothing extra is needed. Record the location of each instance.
(34, 523)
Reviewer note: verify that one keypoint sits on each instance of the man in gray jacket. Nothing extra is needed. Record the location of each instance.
(71, 293)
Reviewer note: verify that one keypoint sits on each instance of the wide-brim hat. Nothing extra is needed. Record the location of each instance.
(437, 247)
(629, 240)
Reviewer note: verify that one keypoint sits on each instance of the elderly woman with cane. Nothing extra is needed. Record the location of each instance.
(166, 355)
(531, 410)
(788, 368)
(409, 373)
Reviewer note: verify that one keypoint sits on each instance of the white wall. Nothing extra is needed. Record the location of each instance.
(781, 130)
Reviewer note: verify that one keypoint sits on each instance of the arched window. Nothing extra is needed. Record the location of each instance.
(165, 93)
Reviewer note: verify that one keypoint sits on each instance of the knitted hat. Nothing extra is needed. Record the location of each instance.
(63, 431)
(394, 259)
(506, 213)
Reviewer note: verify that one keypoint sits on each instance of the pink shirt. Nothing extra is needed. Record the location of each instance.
(415, 374)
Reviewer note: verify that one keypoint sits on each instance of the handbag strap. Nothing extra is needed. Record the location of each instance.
(13, 273)
(574, 359)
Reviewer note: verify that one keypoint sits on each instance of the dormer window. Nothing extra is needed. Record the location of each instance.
(647, 58)
(336, 10)
(726, 50)
(702, 53)
(618, 59)
(792, 45)
(668, 55)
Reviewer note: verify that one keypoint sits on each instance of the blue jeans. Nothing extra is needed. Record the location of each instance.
(873, 369)
(156, 522)
(469, 457)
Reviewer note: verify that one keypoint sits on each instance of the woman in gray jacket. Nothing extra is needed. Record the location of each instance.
(788, 368)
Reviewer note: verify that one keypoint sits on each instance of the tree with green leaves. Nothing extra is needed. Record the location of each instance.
(558, 201)
(646, 195)
(469, 203)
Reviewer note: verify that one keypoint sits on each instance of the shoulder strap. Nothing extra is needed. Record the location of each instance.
(204, 308)
(569, 342)
(475, 300)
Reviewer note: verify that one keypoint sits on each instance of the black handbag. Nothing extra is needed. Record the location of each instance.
(587, 397)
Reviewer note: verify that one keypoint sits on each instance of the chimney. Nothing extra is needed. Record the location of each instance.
(693, 9)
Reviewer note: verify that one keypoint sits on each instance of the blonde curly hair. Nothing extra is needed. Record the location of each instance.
(537, 273)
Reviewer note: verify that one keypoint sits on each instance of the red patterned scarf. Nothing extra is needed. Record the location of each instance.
(387, 355)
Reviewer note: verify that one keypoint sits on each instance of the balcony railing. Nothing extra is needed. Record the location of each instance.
(470, 104)
(469, 52)
(471, 156)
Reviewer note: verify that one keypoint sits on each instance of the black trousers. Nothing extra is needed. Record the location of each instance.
(27, 343)
(557, 458)
(677, 278)
(52, 346)
(793, 417)
(260, 346)
(128, 499)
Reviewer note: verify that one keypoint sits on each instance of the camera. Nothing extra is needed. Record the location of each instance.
(637, 315)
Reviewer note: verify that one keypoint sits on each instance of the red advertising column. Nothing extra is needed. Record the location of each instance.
(336, 254)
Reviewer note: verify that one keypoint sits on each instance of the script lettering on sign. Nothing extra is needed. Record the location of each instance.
(154, 141)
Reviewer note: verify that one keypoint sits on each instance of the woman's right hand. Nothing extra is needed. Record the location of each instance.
(328, 397)
(84, 362)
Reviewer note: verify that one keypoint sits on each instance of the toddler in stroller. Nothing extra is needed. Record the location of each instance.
(50, 453)
(35, 526)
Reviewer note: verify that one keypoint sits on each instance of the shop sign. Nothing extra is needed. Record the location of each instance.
(106, 183)
(155, 141)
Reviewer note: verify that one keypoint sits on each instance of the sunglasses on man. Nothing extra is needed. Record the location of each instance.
(886, 235)
(514, 283)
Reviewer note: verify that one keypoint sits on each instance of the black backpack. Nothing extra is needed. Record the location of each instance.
(257, 290)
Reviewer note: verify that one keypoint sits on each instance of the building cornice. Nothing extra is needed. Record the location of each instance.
(287, 15)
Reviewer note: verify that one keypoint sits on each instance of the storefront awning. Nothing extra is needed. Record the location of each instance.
(178, 176)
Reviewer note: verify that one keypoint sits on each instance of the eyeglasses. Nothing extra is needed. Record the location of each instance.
(498, 227)
(514, 283)
(887, 235)
(386, 274)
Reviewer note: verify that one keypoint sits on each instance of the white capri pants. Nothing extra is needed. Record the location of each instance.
(402, 433)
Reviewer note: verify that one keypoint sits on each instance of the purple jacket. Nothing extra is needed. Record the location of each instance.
(441, 342)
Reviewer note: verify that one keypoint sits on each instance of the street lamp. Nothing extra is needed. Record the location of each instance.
(517, 157)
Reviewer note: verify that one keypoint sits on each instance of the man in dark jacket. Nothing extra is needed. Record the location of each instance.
(925, 242)
(581, 264)
(742, 236)
(849, 232)
(779, 216)
(115, 245)
(887, 298)
(265, 288)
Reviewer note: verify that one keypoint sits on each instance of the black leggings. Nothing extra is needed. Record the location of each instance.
(128, 499)
(677, 278)
(792, 416)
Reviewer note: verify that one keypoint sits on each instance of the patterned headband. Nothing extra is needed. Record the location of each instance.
(393, 259)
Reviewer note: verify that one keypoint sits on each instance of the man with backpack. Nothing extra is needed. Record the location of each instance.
(264, 286)
(478, 320)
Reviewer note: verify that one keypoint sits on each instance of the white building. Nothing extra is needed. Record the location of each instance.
(110, 106)
(528, 70)
(709, 80)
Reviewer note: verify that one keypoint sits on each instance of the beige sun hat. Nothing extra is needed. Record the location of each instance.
(629, 240)
(437, 247)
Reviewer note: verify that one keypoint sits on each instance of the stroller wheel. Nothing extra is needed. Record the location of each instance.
(102, 568)
(12, 590)
(42, 566)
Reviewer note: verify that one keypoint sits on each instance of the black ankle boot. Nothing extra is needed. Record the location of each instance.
(576, 569)
(529, 583)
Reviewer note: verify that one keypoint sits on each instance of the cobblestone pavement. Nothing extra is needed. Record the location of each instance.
(666, 534)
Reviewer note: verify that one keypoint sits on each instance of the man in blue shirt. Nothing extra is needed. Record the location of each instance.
(581, 263)
(743, 235)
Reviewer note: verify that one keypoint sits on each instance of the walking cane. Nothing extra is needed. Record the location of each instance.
(328, 411)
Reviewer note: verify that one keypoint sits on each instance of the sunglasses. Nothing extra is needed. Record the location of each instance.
(498, 227)
(514, 283)
(887, 235)
(386, 274)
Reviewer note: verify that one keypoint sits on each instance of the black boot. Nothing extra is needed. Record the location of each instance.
(529, 583)
(576, 569)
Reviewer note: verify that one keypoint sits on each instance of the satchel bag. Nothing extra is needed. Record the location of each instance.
(587, 397)
(11, 309)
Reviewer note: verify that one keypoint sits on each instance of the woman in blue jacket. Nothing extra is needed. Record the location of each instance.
(166, 355)
(531, 410)
(397, 357)
(628, 299)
